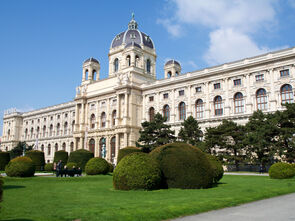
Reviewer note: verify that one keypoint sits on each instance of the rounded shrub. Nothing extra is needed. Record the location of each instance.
(183, 166)
(217, 168)
(111, 167)
(97, 166)
(37, 157)
(281, 171)
(80, 157)
(60, 155)
(48, 167)
(125, 151)
(20, 167)
(70, 165)
(137, 171)
(4, 159)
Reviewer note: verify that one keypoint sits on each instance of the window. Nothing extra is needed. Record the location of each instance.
(128, 60)
(198, 89)
(151, 98)
(66, 128)
(284, 73)
(199, 108)
(92, 121)
(26, 133)
(57, 129)
(66, 115)
(166, 112)
(261, 99)
(37, 132)
(42, 147)
(218, 108)
(148, 66)
(286, 94)
(259, 77)
(113, 149)
(72, 146)
(44, 131)
(91, 145)
(181, 110)
(136, 61)
(73, 126)
(58, 117)
(49, 149)
(102, 147)
(51, 118)
(239, 103)
(151, 114)
(92, 106)
(32, 132)
(114, 115)
(116, 65)
(181, 92)
(50, 130)
(237, 82)
(64, 146)
(169, 74)
(217, 86)
(165, 96)
(103, 119)
(38, 120)
(56, 147)
(44, 119)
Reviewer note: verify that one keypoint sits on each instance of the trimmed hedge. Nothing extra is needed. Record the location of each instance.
(37, 157)
(60, 155)
(111, 167)
(4, 159)
(125, 151)
(1, 188)
(137, 171)
(183, 166)
(80, 157)
(20, 167)
(48, 167)
(281, 171)
(97, 166)
(70, 165)
(217, 168)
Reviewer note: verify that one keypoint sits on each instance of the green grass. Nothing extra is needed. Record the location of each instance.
(93, 198)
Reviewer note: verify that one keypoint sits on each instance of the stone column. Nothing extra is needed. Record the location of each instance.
(125, 140)
(96, 148)
(271, 94)
(172, 116)
(97, 115)
(118, 110)
(126, 109)
(108, 149)
(143, 108)
(207, 106)
(117, 147)
(189, 102)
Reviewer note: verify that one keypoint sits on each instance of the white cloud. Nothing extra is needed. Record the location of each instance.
(174, 29)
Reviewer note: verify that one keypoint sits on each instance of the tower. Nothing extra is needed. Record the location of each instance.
(91, 69)
(172, 68)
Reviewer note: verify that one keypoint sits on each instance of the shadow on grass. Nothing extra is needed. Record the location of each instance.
(7, 187)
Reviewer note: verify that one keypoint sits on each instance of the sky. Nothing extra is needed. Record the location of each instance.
(43, 43)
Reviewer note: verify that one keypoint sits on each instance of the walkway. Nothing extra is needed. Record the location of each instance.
(279, 208)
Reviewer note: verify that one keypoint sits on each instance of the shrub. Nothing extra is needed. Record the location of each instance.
(183, 166)
(137, 171)
(20, 167)
(1, 188)
(60, 155)
(217, 168)
(70, 165)
(96, 166)
(80, 157)
(4, 159)
(37, 157)
(48, 167)
(281, 171)
(111, 168)
(125, 151)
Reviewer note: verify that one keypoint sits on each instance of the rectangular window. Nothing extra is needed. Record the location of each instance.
(151, 98)
(259, 77)
(198, 89)
(284, 73)
(237, 82)
(165, 96)
(217, 86)
(181, 92)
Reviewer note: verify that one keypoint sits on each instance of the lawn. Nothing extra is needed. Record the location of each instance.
(93, 198)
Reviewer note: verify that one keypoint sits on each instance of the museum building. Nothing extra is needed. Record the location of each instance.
(106, 114)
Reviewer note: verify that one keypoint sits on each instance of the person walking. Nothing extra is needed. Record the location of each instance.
(58, 168)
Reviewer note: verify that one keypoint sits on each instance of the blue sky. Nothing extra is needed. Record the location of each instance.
(44, 43)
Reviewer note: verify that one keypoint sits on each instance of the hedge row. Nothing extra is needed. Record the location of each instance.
(80, 157)
(38, 158)
(4, 159)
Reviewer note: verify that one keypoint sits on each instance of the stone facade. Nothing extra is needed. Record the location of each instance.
(106, 114)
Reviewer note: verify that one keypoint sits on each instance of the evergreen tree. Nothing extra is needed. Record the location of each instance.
(190, 131)
(20, 148)
(155, 133)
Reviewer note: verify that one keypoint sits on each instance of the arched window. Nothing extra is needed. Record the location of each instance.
(286, 94)
(261, 99)
(166, 112)
(49, 149)
(66, 128)
(113, 149)
(8, 133)
(148, 66)
(116, 65)
(91, 145)
(102, 147)
(176, 73)
(199, 107)
(218, 107)
(73, 126)
(94, 75)
(57, 129)
(51, 130)
(72, 146)
(64, 146)
(151, 113)
(128, 60)
(169, 74)
(26, 133)
(32, 132)
(239, 103)
(37, 132)
(181, 111)
(42, 147)
(114, 115)
(44, 131)
(92, 121)
(103, 119)
(86, 74)
(136, 61)
(56, 147)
